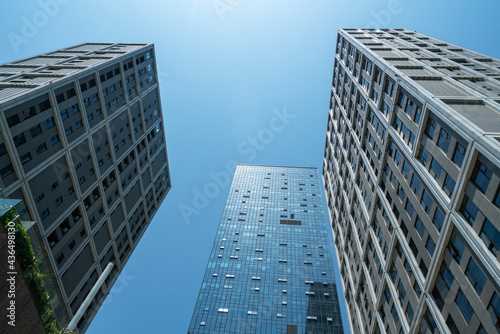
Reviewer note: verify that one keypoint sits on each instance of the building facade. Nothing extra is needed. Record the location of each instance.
(82, 145)
(270, 269)
(412, 176)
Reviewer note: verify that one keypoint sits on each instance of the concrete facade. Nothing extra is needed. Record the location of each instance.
(82, 144)
(412, 178)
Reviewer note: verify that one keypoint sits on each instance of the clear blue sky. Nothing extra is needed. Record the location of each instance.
(221, 76)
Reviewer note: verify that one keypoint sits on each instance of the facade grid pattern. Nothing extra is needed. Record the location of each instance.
(270, 269)
(411, 172)
(82, 146)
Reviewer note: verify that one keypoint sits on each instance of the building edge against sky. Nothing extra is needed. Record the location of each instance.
(271, 266)
(83, 147)
(412, 177)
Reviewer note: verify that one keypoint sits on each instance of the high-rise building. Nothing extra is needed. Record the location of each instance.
(270, 269)
(412, 176)
(82, 145)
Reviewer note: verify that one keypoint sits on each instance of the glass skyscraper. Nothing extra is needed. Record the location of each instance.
(271, 266)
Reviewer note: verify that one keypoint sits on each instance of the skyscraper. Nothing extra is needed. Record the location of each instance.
(82, 146)
(412, 176)
(270, 269)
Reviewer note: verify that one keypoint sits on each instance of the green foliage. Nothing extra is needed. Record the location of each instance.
(34, 276)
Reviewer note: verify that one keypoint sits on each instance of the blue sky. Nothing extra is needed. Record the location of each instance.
(227, 68)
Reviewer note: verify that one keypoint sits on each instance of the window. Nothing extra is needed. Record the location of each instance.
(397, 157)
(435, 169)
(457, 246)
(430, 245)
(105, 92)
(70, 190)
(438, 219)
(423, 156)
(494, 310)
(464, 306)
(409, 313)
(68, 130)
(81, 180)
(426, 201)
(86, 102)
(35, 131)
(70, 93)
(418, 115)
(19, 139)
(40, 197)
(469, 210)
(449, 185)
(458, 154)
(45, 213)
(74, 108)
(55, 139)
(491, 237)
(64, 114)
(481, 176)
(444, 140)
(13, 120)
(475, 276)
(430, 128)
(447, 275)
(49, 122)
(406, 170)
(95, 97)
(419, 226)
(415, 184)
(59, 201)
(409, 208)
(25, 158)
(78, 124)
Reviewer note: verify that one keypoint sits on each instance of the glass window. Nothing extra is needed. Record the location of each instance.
(64, 114)
(430, 128)
(475, 276)
(430, 245)
(447, 275)
(419, 226)
(444, 140)
(409, 208)
(409, 313)
(449, 185)
(494, 310)
(481, 176)
(458, 155)
(397, 157)
(418, 115)
(464, 306)
(457, 246)
(426, 201)
(415, 184)
(406, 170)
(435, 169)
(469, 210)
(491, 237)
(423, 156)
(49, 122)
(438, 219)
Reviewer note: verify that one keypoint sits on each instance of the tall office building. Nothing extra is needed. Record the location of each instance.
(82, 146)
(270, 269)
(412, 176)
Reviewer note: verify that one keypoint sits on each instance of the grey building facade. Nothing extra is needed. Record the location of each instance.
(271, 268)
(412, 177)
(82, 145)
